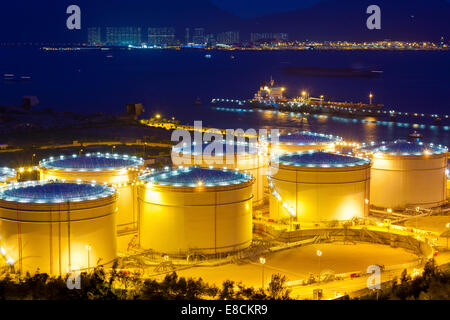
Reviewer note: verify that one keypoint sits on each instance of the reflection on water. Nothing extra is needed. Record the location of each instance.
(355, 129)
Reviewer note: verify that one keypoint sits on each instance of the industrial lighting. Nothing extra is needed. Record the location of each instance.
(389, 210)
(262, 260)
(319, 253)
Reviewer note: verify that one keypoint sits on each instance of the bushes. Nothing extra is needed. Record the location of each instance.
(121, 285)
(432, 284)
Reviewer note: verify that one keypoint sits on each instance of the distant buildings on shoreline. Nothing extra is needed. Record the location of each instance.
(167, 36)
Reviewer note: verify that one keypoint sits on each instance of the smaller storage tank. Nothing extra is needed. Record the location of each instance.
(407, 174)
(7, 175)
(193, 209)
(57, 227)
(303, 141)
(244, 156)
(316, 186)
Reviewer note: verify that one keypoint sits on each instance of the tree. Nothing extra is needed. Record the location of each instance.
(277, 289)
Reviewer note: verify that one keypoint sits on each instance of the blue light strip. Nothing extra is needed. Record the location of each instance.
(336, 160)
(63, 162)
(59, 192)
(6, 173)
(166, 177)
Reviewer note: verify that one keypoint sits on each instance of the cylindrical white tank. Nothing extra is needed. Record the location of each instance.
(195, 209)
(315, 186)
(57, 227)
(302, 141)
(120, 171)
(407, 174)
(7, 175)
(244, 156)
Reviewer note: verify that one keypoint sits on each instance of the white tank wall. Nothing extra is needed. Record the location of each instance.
(254, 164)
(320, 194)
(398, 182)
(37, 235)
(175, 220)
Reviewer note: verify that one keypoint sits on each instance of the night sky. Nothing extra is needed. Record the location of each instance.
(303, 19)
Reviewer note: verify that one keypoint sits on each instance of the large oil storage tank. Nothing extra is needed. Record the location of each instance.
(447, 173)
(244, 156)
(121, 171)
(407, 174)
(302, 141)
(316, 186)
(57, 227)
(196, 210)
(7, 175)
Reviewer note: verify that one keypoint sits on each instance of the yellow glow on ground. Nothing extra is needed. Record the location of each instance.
(298, 263)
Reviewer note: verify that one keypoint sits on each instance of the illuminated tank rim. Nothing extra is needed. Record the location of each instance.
(403, 148)
(196, 176)
(237, 148)
(92, 162)
(54, 192)
(6, 173)
(319, 159)
(307, 138)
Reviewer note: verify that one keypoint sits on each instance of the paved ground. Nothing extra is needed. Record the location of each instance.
(431, 223)
(298, 263)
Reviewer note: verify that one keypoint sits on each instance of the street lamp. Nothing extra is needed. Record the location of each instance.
(166, 258)
(370, 98)
(262, 261)
(113, 148)
(88, 248)
(319, 254)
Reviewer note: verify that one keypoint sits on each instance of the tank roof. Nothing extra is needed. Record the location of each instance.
(6, 173)
(403, 147)
(222, 148)
(320, 159)
(307, 138)
(196, 176)
(91, 162)
(54, 192)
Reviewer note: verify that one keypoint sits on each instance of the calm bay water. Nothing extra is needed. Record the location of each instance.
(168, 82)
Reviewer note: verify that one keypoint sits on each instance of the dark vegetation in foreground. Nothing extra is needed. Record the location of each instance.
(432, 284)
(121, 285)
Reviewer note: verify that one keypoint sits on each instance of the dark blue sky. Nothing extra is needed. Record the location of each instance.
(245, 8)
(45, 20)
